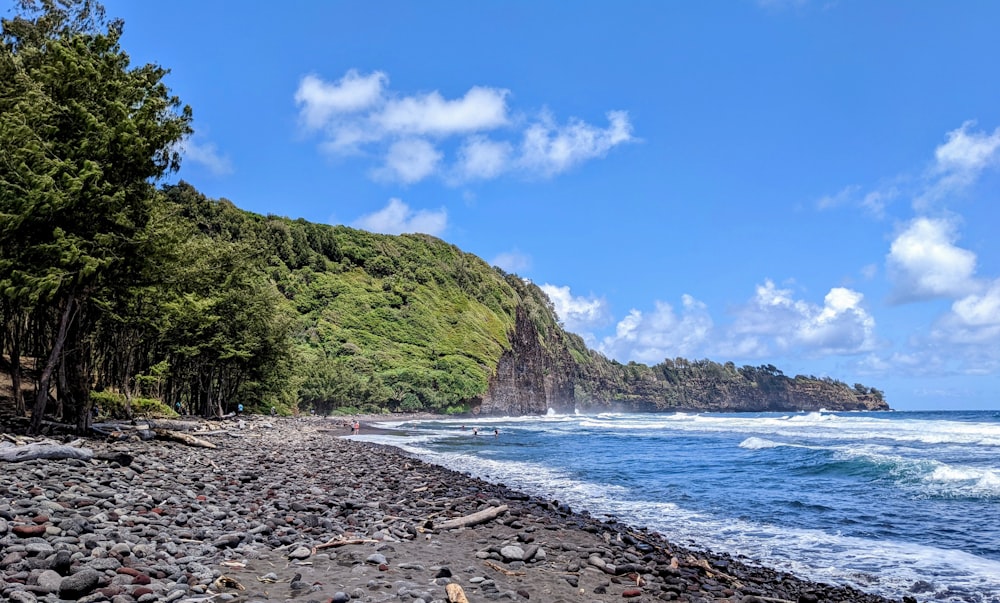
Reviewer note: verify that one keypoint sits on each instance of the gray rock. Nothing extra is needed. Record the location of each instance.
(22, 596)
(376, 559)
(512, 553)
(79, 584)
(301, 552)
(49, 581)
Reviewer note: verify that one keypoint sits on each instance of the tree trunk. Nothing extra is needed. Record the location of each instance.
(45, 379)
(15, 367)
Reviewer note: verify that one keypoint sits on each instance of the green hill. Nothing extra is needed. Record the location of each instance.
(409, 322)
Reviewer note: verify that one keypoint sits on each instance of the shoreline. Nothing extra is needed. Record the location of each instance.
(285, 498)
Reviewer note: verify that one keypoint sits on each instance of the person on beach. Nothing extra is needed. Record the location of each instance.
(475, 431)
(496, 433)
(239, 409)
(356, 427)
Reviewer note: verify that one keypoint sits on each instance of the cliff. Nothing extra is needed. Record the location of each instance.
(410, 323)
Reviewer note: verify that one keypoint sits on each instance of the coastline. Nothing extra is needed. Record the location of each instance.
(285, 497)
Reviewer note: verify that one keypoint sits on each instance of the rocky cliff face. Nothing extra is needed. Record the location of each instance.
(540, 371)
(529, 378)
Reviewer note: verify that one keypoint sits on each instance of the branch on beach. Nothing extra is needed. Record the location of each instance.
(473, 519)
(455, 593)
(183, 438)
(341, 542)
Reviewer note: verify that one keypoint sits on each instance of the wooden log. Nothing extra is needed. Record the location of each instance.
(474, 519)
(30, 452)
(455, 593)
(183, 438)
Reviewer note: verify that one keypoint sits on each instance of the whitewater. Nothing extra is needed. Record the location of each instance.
(894, 503)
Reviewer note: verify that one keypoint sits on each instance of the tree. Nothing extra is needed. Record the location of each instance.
(83, 135)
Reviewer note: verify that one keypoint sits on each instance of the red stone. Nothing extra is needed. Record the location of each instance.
(142, 590)
(40, 519)
(628, 593)
(28, 531)
(141, 579)
(131, 571)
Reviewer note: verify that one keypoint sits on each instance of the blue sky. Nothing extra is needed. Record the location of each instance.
(807, 184)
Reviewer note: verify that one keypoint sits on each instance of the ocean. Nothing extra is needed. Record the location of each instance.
(894, 503)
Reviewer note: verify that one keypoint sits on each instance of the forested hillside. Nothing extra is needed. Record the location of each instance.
(119, 294)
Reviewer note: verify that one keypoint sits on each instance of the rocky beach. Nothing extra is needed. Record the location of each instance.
(284, 509)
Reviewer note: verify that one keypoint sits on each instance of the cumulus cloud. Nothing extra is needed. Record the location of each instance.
(409, 160)
(959, 162)
(548, 148)
(482, 159)
(577, 313)
(512, 261)
(320, 100)
(924, 263)
(358, 115)
(480, 109)
(774, 321)
(660, 334)
(973, 319)
(207, 155)
(398, 218)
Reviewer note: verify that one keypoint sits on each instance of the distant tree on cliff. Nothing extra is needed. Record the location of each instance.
(83, 135)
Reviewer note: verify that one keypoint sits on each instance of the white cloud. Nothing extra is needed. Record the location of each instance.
(578, 314)
(661, 334)
(973, 319)
(480, 109)
(409, 160)
(357, 115)
(482, 159)
(321, 101)
(207, 155)
(512, 261)
(844, 196)
(774, 321)
(959, 162)
(924, 263)
(397, 218)
(550, 149)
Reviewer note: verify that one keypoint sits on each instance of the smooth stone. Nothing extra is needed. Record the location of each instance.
(81, 583)
(28, 531)
(49, 580)
(512, 553)
(301, 552)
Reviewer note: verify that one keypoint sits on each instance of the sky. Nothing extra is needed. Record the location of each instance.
(808, 184)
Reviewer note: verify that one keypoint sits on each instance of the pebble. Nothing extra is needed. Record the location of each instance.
(183, 524)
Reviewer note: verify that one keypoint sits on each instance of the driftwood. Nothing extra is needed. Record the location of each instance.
(476, 518)
(183, 438)
(333, 542)
(42, 450)
(455, 593)
(175, 425)
(30, 452)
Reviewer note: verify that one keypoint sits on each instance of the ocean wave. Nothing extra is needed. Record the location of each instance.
(755, 443)
(881, 566)
(930, 477)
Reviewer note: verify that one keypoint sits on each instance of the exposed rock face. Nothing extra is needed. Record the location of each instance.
(540, 372)
(529, 379)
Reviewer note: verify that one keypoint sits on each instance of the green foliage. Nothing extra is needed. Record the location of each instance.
(112, 405)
